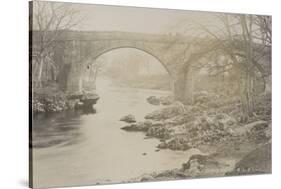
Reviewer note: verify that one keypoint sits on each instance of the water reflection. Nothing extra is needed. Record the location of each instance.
(50, 129)
(86, 111)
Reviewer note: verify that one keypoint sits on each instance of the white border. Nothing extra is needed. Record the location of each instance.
(14, 91)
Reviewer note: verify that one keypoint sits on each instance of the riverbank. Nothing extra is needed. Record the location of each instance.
(52, 100)
(212, 125)
(49, 102)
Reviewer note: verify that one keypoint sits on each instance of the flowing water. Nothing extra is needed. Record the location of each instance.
(82, 148)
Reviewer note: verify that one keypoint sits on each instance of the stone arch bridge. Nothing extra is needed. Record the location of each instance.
(74, 50)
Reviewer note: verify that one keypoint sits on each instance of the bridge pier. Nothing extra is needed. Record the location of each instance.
(73, 85)
(183, 89)
(74, 80)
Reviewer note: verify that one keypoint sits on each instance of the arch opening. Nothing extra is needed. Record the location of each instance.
(129, 67)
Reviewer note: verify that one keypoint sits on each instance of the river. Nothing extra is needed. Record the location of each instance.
(85, 148)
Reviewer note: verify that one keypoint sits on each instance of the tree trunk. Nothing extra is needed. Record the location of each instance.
(39, 77)
(53, 75)
(247, 86)
(248, 71)
(80, 85)
(63, 76)
(34, 71)
(188, 84)
(268, 85)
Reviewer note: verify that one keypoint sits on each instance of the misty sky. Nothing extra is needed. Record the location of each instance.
(132, 19)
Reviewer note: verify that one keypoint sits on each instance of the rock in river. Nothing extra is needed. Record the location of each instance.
(128, 119)
(153, 100)
(140, 126)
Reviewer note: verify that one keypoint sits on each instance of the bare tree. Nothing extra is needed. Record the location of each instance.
(49, 20)
(190, 57)
(244, 39)
(264, 23)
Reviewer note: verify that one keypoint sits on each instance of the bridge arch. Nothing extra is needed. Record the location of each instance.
(91, 59)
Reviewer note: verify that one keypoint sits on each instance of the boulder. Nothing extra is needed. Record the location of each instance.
(153, 100)
(166, 113)
(257, 161)
(132, 127)
(146, 178)
(140, 126)
(202, 165)
(200, 159)
(158, 132)
(166, 100)
(162, 145)
(248, 127)
(128, 119)
(177, 144)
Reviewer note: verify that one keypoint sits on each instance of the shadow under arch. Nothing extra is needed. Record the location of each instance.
(92, 59)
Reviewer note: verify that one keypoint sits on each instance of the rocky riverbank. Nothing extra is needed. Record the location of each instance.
(213, 125)
(50, 100)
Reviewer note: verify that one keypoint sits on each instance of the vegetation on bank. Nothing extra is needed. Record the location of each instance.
(49, 98)
(48, 103)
